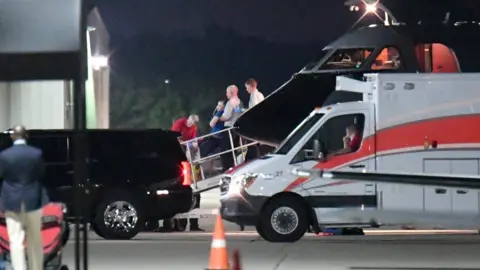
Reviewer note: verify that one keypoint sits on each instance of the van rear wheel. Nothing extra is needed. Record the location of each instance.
(284, 220)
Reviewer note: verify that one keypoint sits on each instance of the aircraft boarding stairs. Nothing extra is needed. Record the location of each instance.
(206, 175)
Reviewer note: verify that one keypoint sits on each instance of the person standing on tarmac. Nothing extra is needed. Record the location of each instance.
(188, 129)
(22, 198)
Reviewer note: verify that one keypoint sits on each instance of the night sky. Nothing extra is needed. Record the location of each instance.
(276, 20)
(294, 21)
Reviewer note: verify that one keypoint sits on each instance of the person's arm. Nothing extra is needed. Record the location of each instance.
(177, 127)
(346, 141)
(227, 113)
(214, 121)
(194, 132)
(215, 118)
(349, 146)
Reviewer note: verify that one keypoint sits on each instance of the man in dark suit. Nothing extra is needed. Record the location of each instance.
(22, 198)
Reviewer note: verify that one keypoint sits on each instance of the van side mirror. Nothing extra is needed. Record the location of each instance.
(316, 149)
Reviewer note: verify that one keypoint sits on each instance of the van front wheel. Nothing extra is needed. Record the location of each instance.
(261, 232)
(284, 220)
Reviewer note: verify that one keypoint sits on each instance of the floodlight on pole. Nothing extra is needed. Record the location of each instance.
(99, 62)
(370, 8)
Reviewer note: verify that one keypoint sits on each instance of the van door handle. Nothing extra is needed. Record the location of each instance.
(357, 166)
(440, 191)
(69, 172)
(460, 191)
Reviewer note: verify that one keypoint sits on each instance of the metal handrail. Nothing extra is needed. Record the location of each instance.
(224, 152)
(202, 160)
(208, 135)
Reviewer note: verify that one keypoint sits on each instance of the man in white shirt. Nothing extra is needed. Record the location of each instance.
(255, 95)
(255, 98)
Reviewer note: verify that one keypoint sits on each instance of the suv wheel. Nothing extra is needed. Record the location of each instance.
(95, 229)
(119, 216)
(284, 220)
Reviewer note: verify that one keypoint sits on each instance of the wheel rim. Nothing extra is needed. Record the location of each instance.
(284, 220)
(120, 216)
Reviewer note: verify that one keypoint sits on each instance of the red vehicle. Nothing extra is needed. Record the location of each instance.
(55, 233)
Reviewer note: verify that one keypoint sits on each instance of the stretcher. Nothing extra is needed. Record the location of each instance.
(55, 234)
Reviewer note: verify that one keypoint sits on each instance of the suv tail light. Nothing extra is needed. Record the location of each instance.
(186, 174)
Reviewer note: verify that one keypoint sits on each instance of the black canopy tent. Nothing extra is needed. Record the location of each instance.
(46, 40)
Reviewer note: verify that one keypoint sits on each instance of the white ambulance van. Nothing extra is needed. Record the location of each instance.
(408, 123)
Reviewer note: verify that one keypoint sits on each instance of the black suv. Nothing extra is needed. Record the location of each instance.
(133, 176)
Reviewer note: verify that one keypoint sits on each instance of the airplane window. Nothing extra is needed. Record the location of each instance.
(387, 59)
(315, 61)
(347, 59)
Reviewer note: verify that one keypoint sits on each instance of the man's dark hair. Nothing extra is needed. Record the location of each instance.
(252, 82)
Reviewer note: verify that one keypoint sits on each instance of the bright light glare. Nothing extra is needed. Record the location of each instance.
(371, 8)
(236, 184)
(99, 62)
(354, 8)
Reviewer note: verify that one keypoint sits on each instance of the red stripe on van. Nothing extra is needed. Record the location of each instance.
(464, 129)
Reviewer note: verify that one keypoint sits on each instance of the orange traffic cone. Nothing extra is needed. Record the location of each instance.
(218, 251)
(236, 261)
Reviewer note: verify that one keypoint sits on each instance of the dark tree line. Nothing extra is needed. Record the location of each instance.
(198, 72)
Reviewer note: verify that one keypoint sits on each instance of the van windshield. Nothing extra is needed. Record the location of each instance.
(298, 134)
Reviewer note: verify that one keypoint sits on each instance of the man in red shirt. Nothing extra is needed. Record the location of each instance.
(187, 127)
(351, 141)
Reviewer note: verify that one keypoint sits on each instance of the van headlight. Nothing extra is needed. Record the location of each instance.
(242, 181)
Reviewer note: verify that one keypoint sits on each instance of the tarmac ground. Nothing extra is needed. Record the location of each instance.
(386, 248)
(378, 250)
